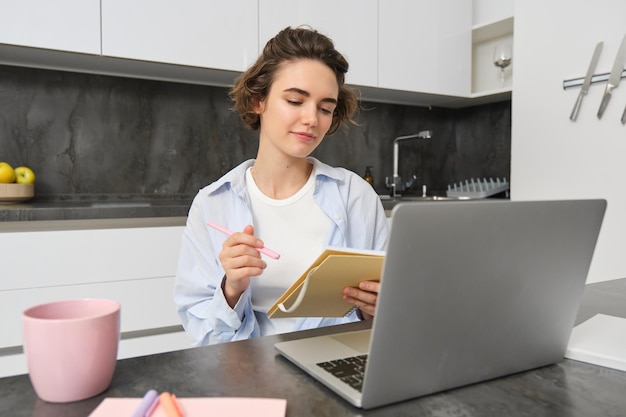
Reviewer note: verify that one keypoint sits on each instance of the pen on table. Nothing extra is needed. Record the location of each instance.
(147, 403)
(263, 250)
(170, 404)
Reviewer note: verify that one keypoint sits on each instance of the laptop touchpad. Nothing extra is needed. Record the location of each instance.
(359, 340)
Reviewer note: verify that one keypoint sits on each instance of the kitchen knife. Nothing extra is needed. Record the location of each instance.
(614, 78)
(585, 88)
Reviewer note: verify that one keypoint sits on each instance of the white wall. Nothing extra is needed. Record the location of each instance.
(553, 157)
(489, 11)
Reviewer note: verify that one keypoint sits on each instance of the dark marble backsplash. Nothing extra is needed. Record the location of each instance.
(89, 134)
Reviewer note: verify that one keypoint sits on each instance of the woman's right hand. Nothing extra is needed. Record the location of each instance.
(240, 260)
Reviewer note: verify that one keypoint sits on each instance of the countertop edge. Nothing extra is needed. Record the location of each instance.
(86, 224)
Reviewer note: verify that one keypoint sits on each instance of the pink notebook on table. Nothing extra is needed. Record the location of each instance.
(200, 407)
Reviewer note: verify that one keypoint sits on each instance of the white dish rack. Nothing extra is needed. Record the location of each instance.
(477, 188)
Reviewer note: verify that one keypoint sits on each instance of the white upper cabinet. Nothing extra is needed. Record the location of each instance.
(64, 25)
(426, 52)
(351, 24)
(211, 34)
(493, 26)
(486, 12)
(425, 46)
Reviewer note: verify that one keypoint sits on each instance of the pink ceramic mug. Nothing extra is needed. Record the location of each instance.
(71, 347)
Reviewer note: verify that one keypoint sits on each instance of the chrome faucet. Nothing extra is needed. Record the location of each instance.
(396, 184)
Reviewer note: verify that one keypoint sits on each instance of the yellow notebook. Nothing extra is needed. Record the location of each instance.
(318, 291)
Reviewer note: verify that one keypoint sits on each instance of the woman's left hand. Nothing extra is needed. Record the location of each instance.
(363, 297)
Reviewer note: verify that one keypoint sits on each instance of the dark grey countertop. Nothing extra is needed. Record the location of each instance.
(88, 207)
(252, 368)
(110, 206)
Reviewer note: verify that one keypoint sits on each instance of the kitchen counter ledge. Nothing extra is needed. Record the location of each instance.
(106, 210)
(89, 224)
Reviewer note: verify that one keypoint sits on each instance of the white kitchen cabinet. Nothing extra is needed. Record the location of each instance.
(486, 12)
(492, 25)
(135, 266)
(211, 34)
(486, 78)
(425, 46)
(65, 25)
(399, 51)
(351, 24)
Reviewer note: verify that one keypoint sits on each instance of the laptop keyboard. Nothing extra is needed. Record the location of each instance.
(350, 370)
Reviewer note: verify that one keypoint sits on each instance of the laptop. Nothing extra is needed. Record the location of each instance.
(470, 291)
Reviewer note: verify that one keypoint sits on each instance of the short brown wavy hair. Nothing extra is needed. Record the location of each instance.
(292, 44)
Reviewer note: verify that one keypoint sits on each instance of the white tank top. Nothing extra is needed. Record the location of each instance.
(295, 227)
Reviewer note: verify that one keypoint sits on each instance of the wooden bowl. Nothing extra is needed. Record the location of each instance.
(13, 193)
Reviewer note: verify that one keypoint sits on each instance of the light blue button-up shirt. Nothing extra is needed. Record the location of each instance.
(350, 202)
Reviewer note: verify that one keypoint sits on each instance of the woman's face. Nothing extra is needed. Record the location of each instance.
(298, 109)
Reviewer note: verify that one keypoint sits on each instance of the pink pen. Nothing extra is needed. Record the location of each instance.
(170, 405)
(266, 251)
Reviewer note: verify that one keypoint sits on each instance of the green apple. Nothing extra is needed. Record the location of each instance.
(7, 173)
(24, 175)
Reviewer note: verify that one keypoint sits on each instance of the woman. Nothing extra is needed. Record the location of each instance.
(293, 95)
